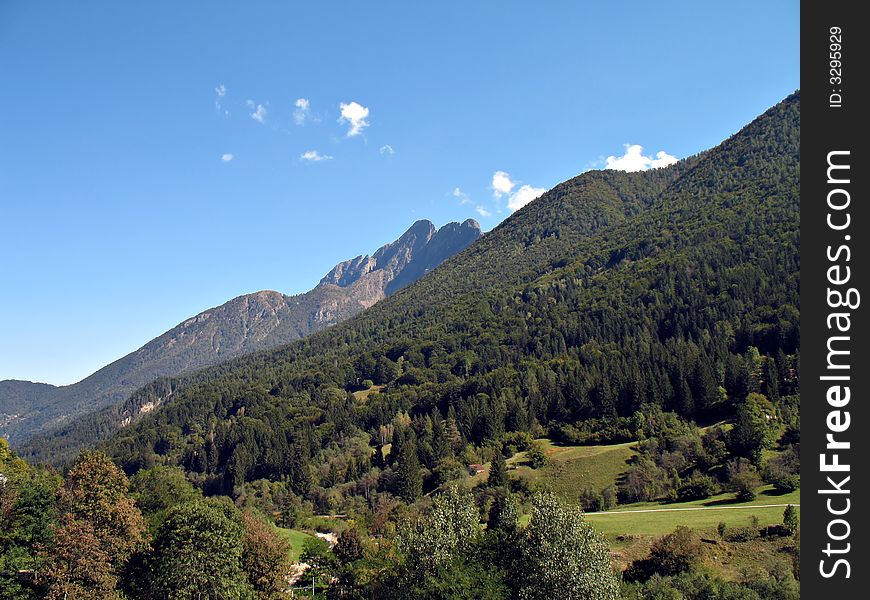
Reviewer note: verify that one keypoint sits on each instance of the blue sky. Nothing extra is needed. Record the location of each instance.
(154, 161)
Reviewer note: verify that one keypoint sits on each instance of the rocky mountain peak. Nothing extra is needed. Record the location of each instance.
(413, 249)
(247, 323)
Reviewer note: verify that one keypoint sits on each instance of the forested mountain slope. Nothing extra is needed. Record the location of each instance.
(248, 323)
(675, 287)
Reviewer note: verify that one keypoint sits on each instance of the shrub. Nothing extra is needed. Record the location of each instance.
(643, 482)
(742, 534)
(783, 470)
(609, 498)
(674, 553)
(743, 479)
(535, 456)
(591, 500)
(696, 487)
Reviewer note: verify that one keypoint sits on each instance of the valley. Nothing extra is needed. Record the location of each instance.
(627, 342)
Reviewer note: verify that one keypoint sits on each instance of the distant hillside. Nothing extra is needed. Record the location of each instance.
(18, 397)
(675, 288)
(243, 325)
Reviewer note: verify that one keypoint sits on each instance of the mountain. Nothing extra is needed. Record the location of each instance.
(611, 295)
(243, 325)
(16, 398)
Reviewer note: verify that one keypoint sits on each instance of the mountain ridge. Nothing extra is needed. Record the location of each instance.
(611, 292)
(244, 324)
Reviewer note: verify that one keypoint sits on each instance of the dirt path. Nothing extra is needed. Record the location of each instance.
(651, 510)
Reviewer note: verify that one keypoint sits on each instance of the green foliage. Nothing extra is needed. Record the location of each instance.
(498, 476)
(265, 557)
(791, 519)
(408, 481)
(591, 499)
(563, 556)
(557, 555)
(458, 580)
(703, 586)
(643, 482)
(783, 470)
(535, 455)
(696, 487)
(677, 552)
(742, 534)
(449, 532)
(754, 428)
(198, 554)
(349, 546)
(612, 291)
(28, 516)
(618, 306)
(743, 478)
(158, 489)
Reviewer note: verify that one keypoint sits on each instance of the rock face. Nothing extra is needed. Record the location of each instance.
(396, 265)
(245, 324)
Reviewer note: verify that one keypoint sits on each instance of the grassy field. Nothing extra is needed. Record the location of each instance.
(362, 395)
(631, 533)
(627, 523)
(296, 539)
(569, 469)
(764, 495)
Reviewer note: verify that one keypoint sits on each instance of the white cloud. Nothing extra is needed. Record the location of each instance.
(482, 211)
(634, 160)
(501, 184)
(355, 114)
(387, 149)
(462, 196)
(227, 157)
(314, 156)
(259, 115)
(220, 92)
(523, 196)
(663, 159)
(303, 110)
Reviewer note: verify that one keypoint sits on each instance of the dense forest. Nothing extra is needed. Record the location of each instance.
(657, 307)
(65, 419)
(676, 288)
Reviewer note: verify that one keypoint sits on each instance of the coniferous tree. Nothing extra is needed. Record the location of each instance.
(409, 481)
(498, 476)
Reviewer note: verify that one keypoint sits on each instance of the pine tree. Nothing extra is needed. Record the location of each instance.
(498, 476)
(409, 481)
(451, 427)
(790, 519)
(300, 479)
